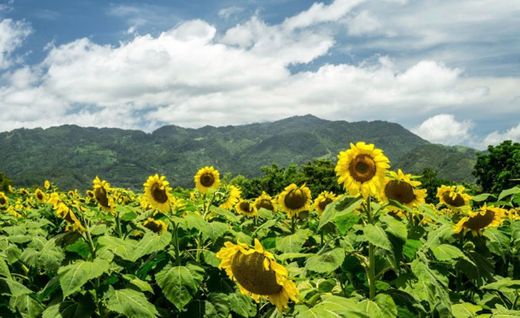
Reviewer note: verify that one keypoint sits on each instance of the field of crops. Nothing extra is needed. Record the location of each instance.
(376, 250)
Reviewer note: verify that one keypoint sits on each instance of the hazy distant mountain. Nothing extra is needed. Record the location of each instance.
(72, 156)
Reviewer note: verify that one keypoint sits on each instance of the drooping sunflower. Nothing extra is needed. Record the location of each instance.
(513, 214)
(264, 201)
(361, 169)
(324, 199)
(73, 223)
(453, 196)
(245, 207)
(231, 197)
(3, 199)
(156, 226)
(257, 273)
(101, 190)
(402, 188)
(157, 193)
(46, 184)
(479, 220)
(207, 179)
(40, 196)
(294, 200)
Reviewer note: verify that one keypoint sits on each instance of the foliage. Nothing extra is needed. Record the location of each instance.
(5, 182)
(499, 167)
(431, 181)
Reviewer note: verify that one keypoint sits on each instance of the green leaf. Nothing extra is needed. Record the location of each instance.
(345, 221)
(447, 252)
(210, 258)
(242, 305)
(345, 206)
(74, 276)
(410, 249)
(465, 310)
(436, 236)
(293, 243)
(383, 306)
(130, 303)
(4, 269)
(132, 250)
(481, 197)
(179, 283)
(27, 306)
(498, 243)
(377, 236)
(326, 262)
(508, 192)
(139, 283)
(395, 227)
(504, 284)
(16, 289)
(79, 247)
(333, 307)
(214, 230)
(430, 286)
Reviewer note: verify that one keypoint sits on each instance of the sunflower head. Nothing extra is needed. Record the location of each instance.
(207, 179)
(294, 199)
(157, 193)
(453, 196)
(3, 199)
(361, 169)
(257, 273)
(73, 223)
(513, 214)
(101, 190)
(402, 188)
(245, 207)
(324, 199)
(46, 184)
(479, 220)
(156, 226)
(39, 195)
(264, 201)
(231, 197)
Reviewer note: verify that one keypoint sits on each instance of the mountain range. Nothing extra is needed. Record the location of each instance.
(71, 156)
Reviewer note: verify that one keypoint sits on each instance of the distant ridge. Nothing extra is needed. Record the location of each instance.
(72, 156)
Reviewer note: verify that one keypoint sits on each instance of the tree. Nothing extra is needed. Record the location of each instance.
(5, 182)
(499, 167)
(431, 181)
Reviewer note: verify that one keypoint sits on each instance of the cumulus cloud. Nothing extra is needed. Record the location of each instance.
(12, 34)
(228, 12)
(445, 129)
(497, 137)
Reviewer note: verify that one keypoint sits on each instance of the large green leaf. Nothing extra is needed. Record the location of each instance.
(383, 306)
(293, 243)
(465, 310)
(326, 262)
(377, 236)
(214, 230)
(333, 307)
(447, 252)
(179, 283)
(74, 276)
(508, 192)
(132, 250)
(130, 303)
(395, 227)
(343, 206)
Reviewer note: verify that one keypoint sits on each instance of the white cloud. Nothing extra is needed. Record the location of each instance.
(228, 12)
(497, 137)
(445, 129)
(12, 34)
(319, 13)
(363, 23)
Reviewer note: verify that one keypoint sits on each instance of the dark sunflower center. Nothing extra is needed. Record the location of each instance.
(245, 207)
(399, 191)
(207, 179)
(101, 196)
(39, 195)
(295, 199)
(159, 194)
(266, 204)
(2, 201)
(362, 168)
(458, 201)
(323, 204)
(250, 273)
(480, 221)
(154, 226)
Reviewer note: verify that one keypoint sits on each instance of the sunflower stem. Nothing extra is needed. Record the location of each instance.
(293, 224)
(371, 258)
(177, 250)
(118, 225)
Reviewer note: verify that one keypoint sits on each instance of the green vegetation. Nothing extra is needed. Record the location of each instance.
(5, 182)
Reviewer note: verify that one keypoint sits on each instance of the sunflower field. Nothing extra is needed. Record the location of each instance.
(375, 250)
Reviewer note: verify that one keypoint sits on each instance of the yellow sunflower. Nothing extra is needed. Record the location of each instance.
(73, 223)
(46, 184)
(324, 199)
(294, 200)
(101, 190)
(361, 169)
(402, 188)
(156, 226)
(257, 273)
(513, 214)
(246, 208)
(40, 196)
(3, 199)
(231, 198)
(264, 201)
(157, 193)
(478, 220)
(207, 179)
(453, 196)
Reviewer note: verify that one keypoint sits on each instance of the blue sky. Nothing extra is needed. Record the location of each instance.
(447, 70)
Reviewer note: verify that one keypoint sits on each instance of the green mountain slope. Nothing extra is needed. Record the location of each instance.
(72, 156)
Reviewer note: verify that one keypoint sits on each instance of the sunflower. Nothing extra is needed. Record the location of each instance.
(294, 200)
(54, 199)
(245, 207)
(476, 221)
(207, 179)
(3, 199)
(361, 169)
(101, 190)
(73, 223)
(40, 196)
(231, 198)
(257, 273)
(156, 226)
(513, 214)
(453, 196)
(46, 184)
(402, 188)
(157, 193)
(324, 199)
(264, 201)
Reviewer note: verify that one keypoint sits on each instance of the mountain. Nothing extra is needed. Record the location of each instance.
(72, 156)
